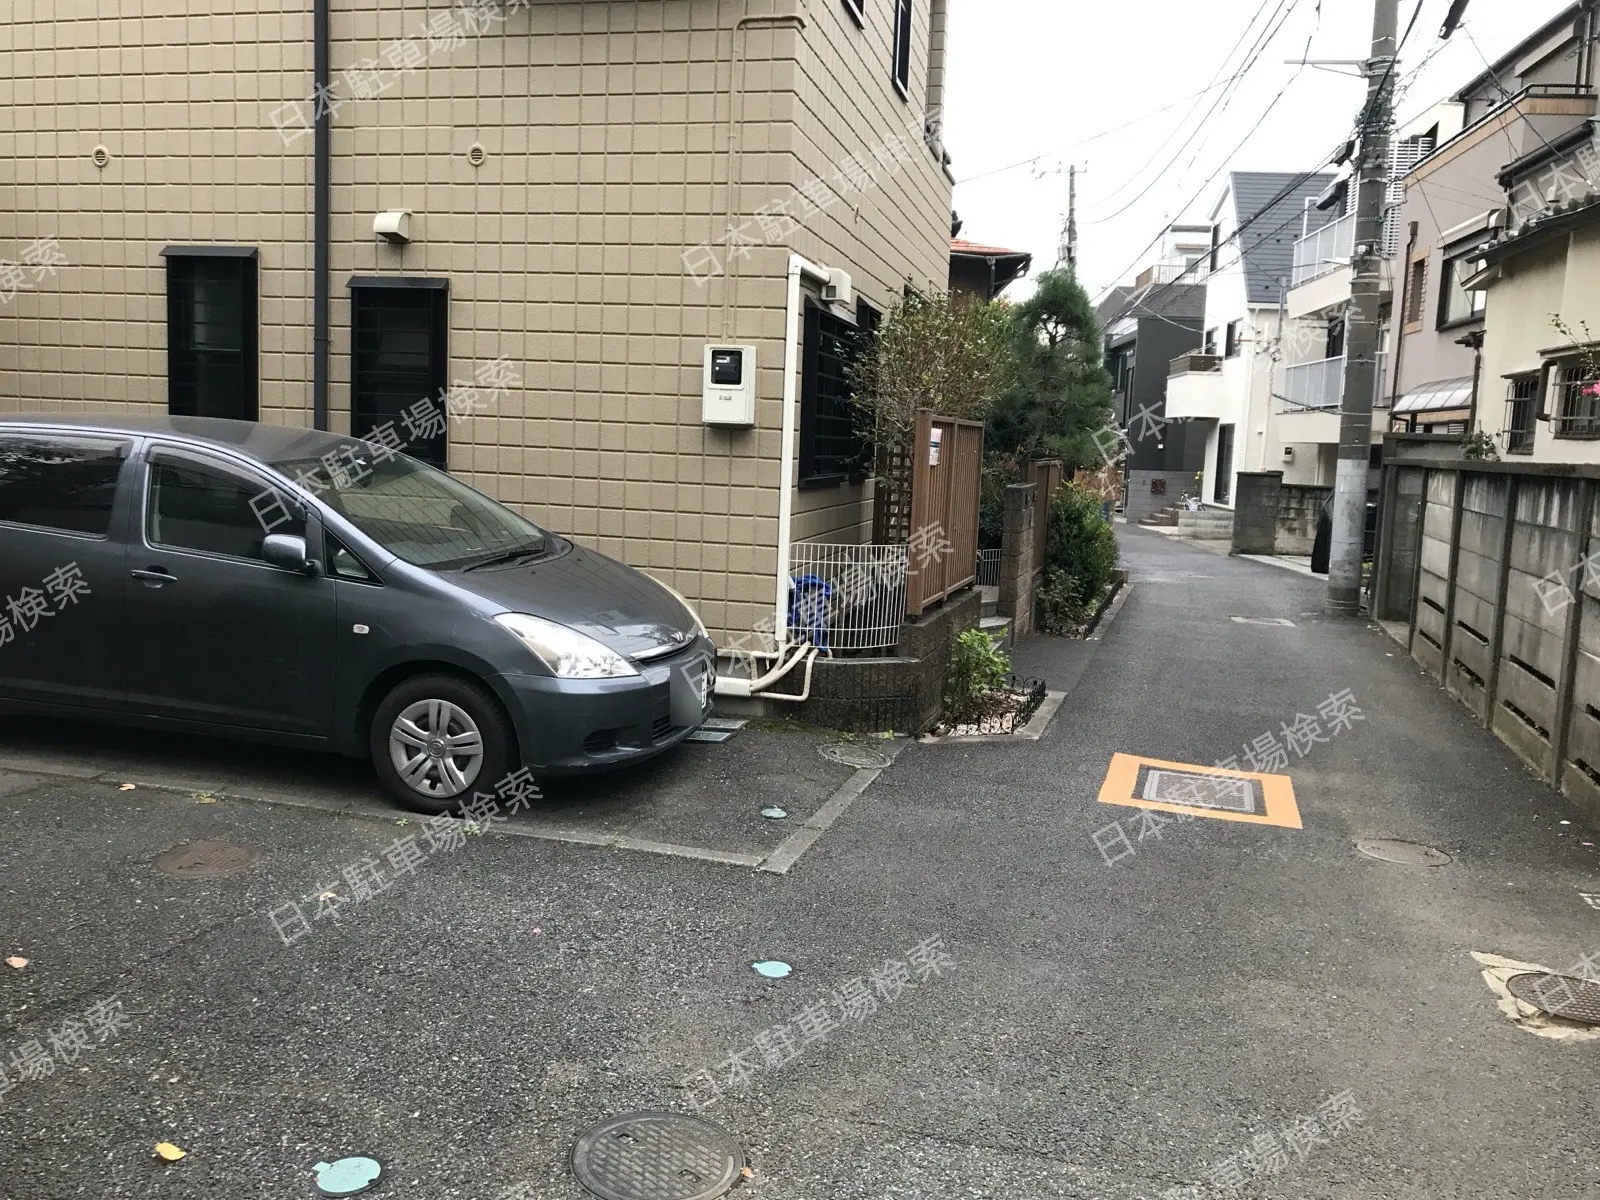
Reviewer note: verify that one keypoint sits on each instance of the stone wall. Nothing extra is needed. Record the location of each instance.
(1141, 501)
(1017, 541)
(1299, 506)
(1255, 511)
(903, 692)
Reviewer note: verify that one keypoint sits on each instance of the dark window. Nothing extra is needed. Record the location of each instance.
(1416, 290)
(211, 335)
(64, 483)
(400, 364)
(1223, 487)
(830, 449)
(198, 506)
(1231, 340)
(1522, 409)
(857, 10)
(1210, 346)
(902, 47)
(1456, 303)
(1334, 346)
(1577, 404)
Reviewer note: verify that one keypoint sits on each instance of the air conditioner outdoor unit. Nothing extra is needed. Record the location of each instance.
(839, 289)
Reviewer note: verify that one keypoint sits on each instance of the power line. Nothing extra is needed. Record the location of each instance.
(1093, 137)
(1252, 56)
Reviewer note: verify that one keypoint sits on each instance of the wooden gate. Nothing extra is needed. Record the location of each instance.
(946, 481)
(1047, 473)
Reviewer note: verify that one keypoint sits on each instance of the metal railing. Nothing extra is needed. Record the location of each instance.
(848, 597)
(1188, 364)
(989, 568)
(1324, 250)
(1577, 408)
(1320, 385)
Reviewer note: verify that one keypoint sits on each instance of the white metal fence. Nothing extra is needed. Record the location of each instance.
(988, 568)
(848, 597)
(1320, 384)
(1325, 249)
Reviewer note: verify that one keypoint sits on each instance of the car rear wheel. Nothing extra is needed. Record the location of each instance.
(437, 739)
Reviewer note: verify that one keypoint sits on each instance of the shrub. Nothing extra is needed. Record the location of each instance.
(1061, 611)
(977, 667)
(1080, 548)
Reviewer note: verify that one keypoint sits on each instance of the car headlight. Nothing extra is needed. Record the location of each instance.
(689, 608)
(566, 652)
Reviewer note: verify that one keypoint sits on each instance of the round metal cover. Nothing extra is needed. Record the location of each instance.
(195, 860)
(1565, 996)
(862, 758)
(1407, 853)
(657, 1156)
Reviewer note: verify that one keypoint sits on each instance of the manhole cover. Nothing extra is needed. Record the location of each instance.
(1263, 621)
(1559, 995)
(1407, 853)
(194, 860)
(862, 758)
(657, 1156)
(1205, 791)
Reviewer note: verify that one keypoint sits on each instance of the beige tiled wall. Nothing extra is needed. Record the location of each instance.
(604, 127)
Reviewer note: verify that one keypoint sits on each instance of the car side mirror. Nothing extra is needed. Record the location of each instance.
(287, 550)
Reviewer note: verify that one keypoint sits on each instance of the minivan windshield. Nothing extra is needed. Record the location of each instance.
(413, 510)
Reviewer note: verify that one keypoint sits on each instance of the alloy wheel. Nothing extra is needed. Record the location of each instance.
(436, 748)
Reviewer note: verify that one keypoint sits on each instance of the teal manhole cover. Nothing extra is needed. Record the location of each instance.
(657, 1156)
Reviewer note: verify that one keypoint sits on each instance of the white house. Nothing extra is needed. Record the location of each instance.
(1228, 386)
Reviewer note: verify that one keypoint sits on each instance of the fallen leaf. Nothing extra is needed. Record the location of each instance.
(747, 1172)
(17, 961)
(327, 895)
(126, 787)
(169, 1152)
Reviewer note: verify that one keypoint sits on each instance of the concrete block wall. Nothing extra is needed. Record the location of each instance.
(1506, 614)
(1299, 509)
(1017, 540)
(1141, 501)
(1256, 499)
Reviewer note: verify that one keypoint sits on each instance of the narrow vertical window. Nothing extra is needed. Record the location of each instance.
(400, 362)
(212, 368)
(902, 47)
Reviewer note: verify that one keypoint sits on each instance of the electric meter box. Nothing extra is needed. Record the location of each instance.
(729, 396)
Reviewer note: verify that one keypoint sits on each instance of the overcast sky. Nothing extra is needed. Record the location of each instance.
(1039, 79)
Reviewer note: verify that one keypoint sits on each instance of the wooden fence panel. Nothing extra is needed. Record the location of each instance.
(946, 481)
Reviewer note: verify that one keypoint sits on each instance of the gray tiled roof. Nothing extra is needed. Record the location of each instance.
(1267, 245)
(1173, 301)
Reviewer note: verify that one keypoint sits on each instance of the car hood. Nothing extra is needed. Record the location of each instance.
(616, 605)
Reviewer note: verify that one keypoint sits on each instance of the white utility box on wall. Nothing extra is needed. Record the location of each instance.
(729, 396)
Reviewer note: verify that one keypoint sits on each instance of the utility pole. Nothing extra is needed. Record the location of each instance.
(1072, 221)
(1361, 327)
(1067, 251)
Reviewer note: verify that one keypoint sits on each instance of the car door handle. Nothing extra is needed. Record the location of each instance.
(154, 578)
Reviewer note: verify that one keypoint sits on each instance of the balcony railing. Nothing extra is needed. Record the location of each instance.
(1319, 385)
(1171, 273)
(1324, 250)
(1194, 364)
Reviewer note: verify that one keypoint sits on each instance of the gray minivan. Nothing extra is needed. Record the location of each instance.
(302, 588)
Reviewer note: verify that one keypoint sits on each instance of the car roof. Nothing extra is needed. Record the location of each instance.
(265, 443)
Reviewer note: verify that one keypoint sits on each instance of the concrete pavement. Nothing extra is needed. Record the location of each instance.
(1091, 1030)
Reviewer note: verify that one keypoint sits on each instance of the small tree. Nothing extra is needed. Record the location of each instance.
(940, 352)
(1061, 395)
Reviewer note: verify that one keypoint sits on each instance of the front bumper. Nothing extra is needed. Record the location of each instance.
(570, 726)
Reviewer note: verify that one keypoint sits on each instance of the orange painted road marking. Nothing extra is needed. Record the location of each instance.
(1253, 798)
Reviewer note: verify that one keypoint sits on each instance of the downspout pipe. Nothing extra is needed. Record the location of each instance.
(800, 269)
(321, 203)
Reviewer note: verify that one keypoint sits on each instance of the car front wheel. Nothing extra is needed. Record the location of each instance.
(437, 739)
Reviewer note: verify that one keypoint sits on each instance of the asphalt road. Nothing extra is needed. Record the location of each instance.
(1081, 1028)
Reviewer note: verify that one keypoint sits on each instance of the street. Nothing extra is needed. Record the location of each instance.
(985, 1000)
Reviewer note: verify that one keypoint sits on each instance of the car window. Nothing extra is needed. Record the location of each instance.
(63, 483)
(196, 506)
(342, 564)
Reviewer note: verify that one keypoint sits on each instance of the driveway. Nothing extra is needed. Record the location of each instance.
(984, 1000)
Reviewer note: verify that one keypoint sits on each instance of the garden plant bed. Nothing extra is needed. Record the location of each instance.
(1004, 711)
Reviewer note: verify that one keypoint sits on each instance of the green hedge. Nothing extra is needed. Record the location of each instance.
(1079, 557)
